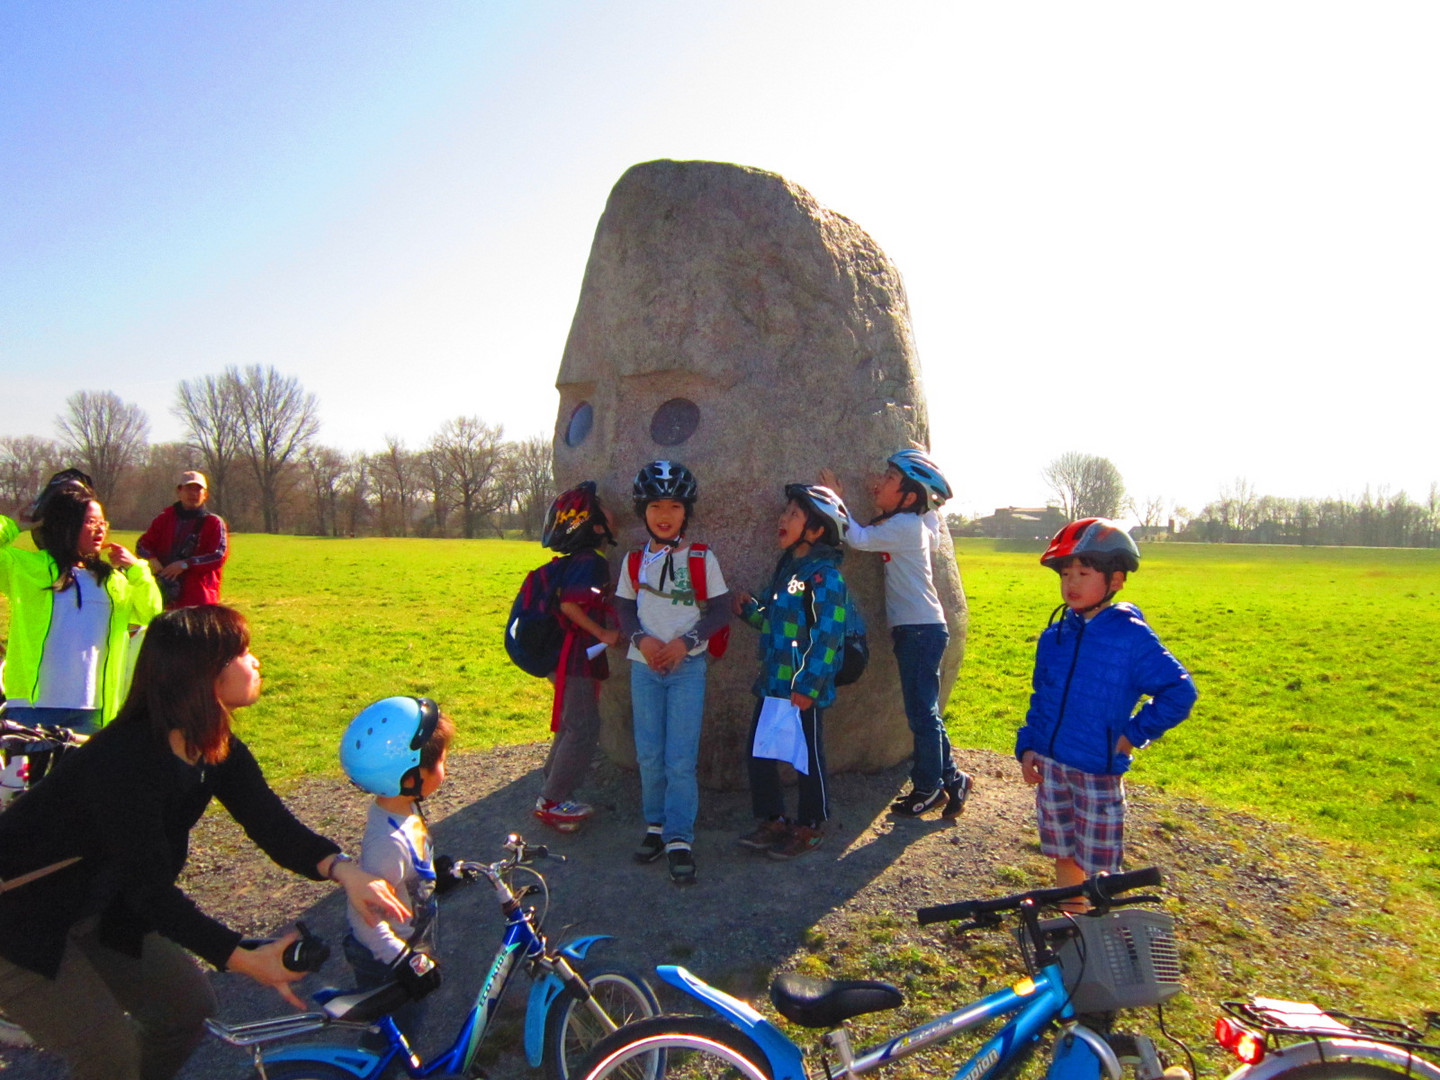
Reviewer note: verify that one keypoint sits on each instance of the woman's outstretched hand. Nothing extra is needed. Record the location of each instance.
(371, 896)
(266, 965)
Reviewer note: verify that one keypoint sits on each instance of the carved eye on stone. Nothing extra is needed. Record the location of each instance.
(674, 422)
(581, 421)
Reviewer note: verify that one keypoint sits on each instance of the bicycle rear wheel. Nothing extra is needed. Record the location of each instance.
(1340, 1070)
(677, 1048)
(573, 1027)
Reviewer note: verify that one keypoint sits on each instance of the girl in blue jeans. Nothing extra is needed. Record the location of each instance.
(671, 599)
(906, 531)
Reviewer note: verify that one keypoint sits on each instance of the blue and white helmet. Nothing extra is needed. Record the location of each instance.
(384, 741)
(916, 465)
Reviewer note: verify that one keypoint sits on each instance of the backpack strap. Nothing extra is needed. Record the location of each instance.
(697, 572)
(632, 566)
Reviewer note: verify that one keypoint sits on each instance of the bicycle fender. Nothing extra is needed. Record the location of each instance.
(351, 1059)
(1081, 1054)
(543, 994)
(1314, 1050)
(784, 1056)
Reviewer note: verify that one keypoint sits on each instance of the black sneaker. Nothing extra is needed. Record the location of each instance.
(652, 847)
(682, 862)
(917, 802)
(956, 792)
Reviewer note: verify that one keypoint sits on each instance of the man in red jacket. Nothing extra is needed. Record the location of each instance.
(187, 546)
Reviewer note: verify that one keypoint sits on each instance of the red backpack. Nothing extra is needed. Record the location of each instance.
(717, 645)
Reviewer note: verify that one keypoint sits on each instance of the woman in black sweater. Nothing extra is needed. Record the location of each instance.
(91, 919)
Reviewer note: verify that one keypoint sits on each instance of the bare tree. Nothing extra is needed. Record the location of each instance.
(529, 481)
(277, 418)
(467, 455)
(105, 434)
(324, 466)
(209, 409)
(396, 474)
(1150, 510)
(1088, 486)
(26, 462)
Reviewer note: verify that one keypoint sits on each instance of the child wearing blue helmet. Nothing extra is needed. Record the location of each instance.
(906, 532)
(395, 750)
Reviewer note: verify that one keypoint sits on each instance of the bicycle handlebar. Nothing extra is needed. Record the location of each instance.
(1100, 890)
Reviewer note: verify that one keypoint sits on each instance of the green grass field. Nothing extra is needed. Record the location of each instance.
(1316, 667)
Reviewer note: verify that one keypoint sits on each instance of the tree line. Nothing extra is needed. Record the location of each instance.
(255, 434)
(1086, 485)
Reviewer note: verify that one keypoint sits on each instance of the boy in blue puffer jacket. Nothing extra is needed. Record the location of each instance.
(1091, 668)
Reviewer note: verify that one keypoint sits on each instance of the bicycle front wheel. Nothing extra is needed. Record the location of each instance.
(677, 1048)
(307, 1070)
(574, 1026)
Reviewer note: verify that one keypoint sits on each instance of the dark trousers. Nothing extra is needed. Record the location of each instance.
(766, 797)
(81, 1014)
(574, 744)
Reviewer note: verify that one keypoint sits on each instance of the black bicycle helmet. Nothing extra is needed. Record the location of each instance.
(664, 480)
(569, 526)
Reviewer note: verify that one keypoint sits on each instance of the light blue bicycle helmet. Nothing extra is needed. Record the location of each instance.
(383, 744)
(916, 465)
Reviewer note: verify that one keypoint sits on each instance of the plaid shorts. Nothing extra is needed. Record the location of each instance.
(1081, 816)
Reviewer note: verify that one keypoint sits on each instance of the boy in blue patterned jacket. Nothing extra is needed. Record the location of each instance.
(802, 639)
(1091, 668)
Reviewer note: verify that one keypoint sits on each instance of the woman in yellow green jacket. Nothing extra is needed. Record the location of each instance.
(70, 614)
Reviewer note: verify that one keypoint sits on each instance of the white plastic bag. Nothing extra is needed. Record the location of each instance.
(779, 735)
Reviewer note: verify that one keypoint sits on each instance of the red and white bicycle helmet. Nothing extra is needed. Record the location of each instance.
(1103, 542)
(570, 524)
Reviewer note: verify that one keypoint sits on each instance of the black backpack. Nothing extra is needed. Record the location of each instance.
(855, 654)
(533, 634)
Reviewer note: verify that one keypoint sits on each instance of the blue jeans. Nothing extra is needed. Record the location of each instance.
(668, 710)
(80, 721)
(918, 652)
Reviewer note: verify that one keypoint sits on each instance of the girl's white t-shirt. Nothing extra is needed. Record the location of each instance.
(74, 658)
(907, 541)
(674, 611)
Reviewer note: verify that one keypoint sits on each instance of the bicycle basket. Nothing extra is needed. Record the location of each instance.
(1125, 959)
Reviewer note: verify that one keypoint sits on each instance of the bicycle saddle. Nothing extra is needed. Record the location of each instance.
(824, 1003)
(363, 1006)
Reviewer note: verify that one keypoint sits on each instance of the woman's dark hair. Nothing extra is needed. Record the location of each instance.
(58, 535)
(185, 651)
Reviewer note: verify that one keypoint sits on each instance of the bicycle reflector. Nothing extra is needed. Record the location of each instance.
(1244, 1043)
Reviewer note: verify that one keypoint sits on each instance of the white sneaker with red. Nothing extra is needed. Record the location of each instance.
(564, 816)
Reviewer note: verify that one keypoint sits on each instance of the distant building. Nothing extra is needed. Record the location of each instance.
(1023, 522)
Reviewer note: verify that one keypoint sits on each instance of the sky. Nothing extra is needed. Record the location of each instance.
(1202, 240)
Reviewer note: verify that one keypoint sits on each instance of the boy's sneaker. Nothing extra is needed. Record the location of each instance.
(564, 816)
(769, 834)
(917, 802)
(802, 839)
(652, 846)
(956, 792)
(682, 862)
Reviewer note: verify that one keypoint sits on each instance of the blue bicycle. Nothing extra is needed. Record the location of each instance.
(572, 1003)
(1097, 962)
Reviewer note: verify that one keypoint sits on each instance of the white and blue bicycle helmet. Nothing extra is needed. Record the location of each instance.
(383, 744)
(916, 465)
(826, 504)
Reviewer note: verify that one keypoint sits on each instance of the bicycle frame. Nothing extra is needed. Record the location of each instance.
(522, 941)
(1035, 1002)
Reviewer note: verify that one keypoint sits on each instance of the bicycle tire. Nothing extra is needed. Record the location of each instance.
(694, 1048)
(307, 1070)
(1340, 1070)
(571, 1029)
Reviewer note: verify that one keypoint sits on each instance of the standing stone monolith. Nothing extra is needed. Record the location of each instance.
(730, 322)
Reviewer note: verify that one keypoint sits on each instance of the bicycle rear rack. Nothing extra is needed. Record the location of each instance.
(1302, 1020)
(263, 1031)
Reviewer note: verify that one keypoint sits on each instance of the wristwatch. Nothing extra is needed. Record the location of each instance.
(340, 857)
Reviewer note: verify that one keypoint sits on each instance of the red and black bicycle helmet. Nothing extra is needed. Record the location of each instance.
(569, 526)
(1103, 543)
